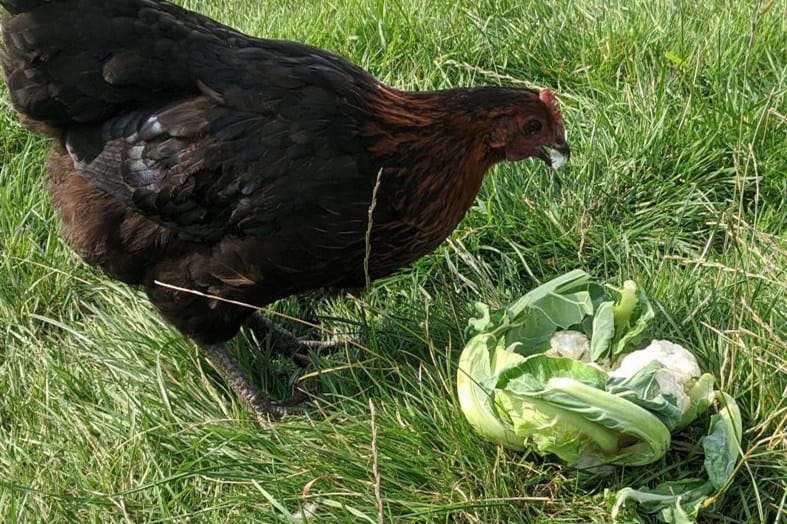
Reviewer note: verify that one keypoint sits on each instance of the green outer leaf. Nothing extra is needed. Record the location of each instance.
(681, 501)
(554, 429)
(603, 331)
(535, 326)
(701, 395)
(615, 413)
(631, 305)
(722, 444)
(477, 400)
(532, 374)
(483, 321)
(624, 308)
(551, 427)
(572, 387)
(676, 502)
(576, 280)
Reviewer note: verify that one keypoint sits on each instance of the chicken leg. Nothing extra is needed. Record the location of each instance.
(263, 409)
(284, 343)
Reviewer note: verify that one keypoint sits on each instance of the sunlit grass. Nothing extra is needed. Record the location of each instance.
(676, 116)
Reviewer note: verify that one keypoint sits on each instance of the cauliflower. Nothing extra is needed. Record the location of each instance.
(677, 376)
(570, 344)
(527, 383)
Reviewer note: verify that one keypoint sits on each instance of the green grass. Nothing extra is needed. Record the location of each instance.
(677, 114)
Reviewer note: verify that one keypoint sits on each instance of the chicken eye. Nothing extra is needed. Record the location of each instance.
(532, 126)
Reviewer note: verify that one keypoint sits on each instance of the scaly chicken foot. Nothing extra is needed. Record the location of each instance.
(287, 344)
(264, 410)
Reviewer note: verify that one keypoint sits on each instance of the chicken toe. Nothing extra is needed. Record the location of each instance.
(286, 343)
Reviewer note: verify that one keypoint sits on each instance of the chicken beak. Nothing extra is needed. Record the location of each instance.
(558, 154)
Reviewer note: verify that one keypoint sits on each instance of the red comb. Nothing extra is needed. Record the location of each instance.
(546, 96)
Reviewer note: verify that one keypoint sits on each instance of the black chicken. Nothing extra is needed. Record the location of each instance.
(243, 169)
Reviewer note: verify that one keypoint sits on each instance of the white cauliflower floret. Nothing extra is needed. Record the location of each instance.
(670, 384)
(570, 344)
(676, 377)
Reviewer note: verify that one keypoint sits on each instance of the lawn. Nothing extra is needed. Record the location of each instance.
(677, 117)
